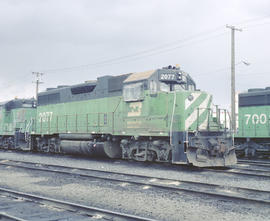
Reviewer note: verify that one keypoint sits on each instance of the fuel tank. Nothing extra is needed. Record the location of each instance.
(88, 148)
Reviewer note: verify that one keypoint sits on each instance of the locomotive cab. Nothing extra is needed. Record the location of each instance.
(187, 125)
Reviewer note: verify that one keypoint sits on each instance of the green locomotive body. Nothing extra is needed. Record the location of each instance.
(16, 117)
(149, 116)
(253, 135)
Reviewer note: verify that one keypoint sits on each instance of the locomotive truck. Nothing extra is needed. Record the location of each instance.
(156, 115)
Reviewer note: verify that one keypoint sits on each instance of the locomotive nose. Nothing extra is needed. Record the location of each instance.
(211, 150)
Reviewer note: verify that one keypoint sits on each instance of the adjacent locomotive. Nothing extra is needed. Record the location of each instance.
(253, 136)
(156, 115)
(16, 117)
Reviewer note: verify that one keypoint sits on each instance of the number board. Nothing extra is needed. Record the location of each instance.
(169, 77)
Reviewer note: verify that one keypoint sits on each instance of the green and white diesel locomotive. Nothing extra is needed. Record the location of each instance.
(16, 118)
(253, 136)
(156, 115)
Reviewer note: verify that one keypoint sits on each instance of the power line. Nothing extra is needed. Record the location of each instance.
(166, 50)
(253, 19)
(152, 50)
(253, 74)
(160, 52)
(257, 25)
(134, 58)
(218, 70)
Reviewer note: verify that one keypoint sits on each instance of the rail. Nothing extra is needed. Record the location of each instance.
(106, 214)
(202, 188)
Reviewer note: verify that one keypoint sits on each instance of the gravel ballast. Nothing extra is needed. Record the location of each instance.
(137, 200)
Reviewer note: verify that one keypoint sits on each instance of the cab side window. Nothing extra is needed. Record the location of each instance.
(133, 92)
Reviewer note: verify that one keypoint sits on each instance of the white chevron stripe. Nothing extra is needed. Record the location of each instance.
(193, 117)
(203, 126)
(188, 102)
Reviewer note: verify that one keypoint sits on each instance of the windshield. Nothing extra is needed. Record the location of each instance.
(176, 87)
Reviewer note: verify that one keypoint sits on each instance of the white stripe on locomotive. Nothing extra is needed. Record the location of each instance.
(190, 102)
(193, 117)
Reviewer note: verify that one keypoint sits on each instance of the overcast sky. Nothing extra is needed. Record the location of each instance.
(111, 37)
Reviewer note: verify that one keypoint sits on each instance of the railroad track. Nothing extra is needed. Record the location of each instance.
(85, 212)
(235, 170)
(255, 162)
(7, 217)
(214, 190)
(240, 170)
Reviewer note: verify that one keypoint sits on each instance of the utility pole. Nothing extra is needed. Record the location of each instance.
(38, 81)
(233, 29)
